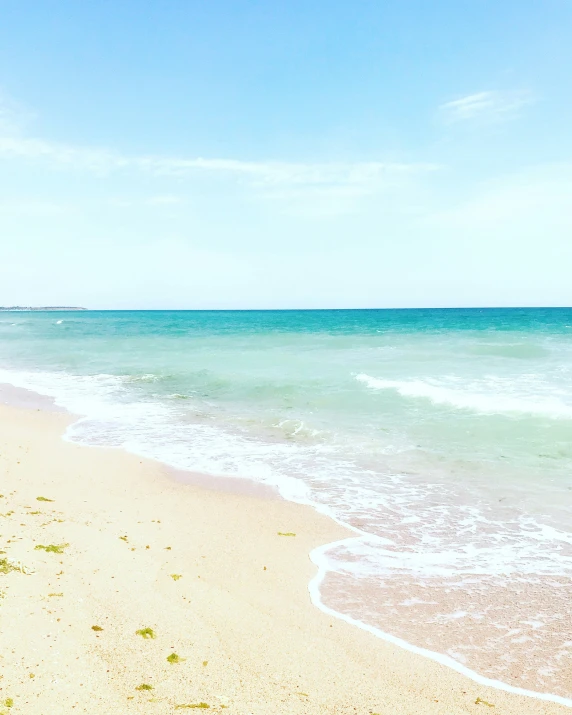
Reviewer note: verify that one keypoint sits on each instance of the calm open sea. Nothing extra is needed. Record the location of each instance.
(443, 437)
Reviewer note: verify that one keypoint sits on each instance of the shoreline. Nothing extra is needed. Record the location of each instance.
(402, 689)
(23, 397)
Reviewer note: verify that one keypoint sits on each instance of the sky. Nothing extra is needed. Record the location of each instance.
(285, 153)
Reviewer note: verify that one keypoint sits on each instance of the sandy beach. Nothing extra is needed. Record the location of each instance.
(126, 590)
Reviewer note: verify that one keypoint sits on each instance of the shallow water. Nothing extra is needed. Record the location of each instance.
(443, 436)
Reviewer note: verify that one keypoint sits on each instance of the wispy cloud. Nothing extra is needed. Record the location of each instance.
(97, 160)
(358, 175)
(13, 115)
(490, 106)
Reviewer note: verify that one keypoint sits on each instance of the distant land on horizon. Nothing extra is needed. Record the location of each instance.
(45, 307)
(63, 308)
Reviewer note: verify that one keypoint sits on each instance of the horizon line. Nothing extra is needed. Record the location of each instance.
(62, 309)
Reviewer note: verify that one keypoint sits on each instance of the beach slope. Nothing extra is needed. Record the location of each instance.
(124, 590)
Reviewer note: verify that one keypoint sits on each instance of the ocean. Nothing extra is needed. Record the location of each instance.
(442, 438)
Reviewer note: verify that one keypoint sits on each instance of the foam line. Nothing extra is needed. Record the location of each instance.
(318, 558)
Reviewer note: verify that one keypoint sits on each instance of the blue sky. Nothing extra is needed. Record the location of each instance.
(285, 154)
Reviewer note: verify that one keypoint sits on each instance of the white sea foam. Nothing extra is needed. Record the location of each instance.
(486, 402)
(444, 536)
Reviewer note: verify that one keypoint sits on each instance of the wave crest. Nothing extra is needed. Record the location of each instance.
(488, 403)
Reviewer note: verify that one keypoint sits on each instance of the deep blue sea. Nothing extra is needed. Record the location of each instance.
(442, 437)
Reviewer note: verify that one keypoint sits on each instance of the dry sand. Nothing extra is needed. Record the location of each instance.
(239, 617)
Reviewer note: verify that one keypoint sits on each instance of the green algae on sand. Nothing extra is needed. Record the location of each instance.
(192, 705)
(480, 701)
(7, 566)
(145, 633)
(51, 548)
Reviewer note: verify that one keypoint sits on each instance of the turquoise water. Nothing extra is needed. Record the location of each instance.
(442, 436)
